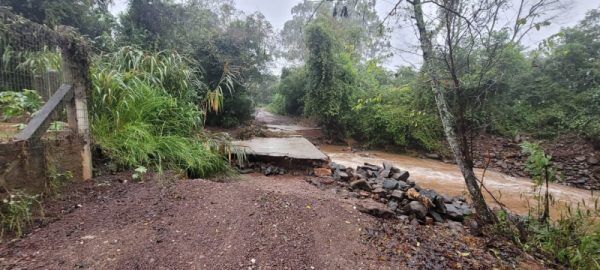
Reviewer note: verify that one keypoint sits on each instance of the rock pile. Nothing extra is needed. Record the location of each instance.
(400, 196)
(264, 168)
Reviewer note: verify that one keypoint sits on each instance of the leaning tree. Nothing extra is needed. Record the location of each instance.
(462, 42)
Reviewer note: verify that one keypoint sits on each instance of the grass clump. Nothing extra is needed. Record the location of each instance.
(572, 239)
(57, 180)
(143, 114)
(16, 212)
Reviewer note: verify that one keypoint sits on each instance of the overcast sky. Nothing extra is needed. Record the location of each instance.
(278, 12)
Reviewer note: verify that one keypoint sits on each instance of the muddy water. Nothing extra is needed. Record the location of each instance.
(446, 178)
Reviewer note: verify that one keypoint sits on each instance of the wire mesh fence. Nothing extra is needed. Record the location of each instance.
(30, 73)
(43, 110)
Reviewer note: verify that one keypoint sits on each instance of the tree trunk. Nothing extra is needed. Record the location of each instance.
(546, 213)
(448, 123)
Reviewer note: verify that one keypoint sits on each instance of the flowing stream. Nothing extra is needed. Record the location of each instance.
(514, 192)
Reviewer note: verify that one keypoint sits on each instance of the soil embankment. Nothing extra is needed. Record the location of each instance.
(576, 160)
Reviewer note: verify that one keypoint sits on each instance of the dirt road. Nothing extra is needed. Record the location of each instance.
(256, 222)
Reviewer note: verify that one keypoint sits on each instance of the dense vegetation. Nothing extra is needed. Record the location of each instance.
(222, 44)
(492, 85)
(161, 72)
(165, 69)
(143, 112)
(554, 89)
(529, 92)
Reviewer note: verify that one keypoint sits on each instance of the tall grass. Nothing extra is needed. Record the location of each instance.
(572, 239)
(143, 113)
(167, 70)
(16, 212)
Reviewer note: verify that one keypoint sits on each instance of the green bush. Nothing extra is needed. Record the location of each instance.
(16, 104)
(276, 105)
(573, 240)
(140, 120)
(391, 119)
(237, 109)
(331, 79)
(290, 92)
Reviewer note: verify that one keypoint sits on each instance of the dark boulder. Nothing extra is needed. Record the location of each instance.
(398, 195)
(360, 184)
(271, 170)
(350, 172)
(374, 208)
(418, 209)
(372, 174)
(340, 175)
(362, 172)
(401, 176)
(436, 200)
(370, 167)
(335, 166)
(392, 205)
(436, 216)
(385, 173)
(457, 211)
(390, 184)
(379, 191)
(403, 186)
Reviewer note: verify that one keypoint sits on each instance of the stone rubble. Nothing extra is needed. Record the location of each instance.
(269, 169)
(394, 195)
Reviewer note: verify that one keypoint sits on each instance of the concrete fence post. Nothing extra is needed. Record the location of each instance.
(77, 111)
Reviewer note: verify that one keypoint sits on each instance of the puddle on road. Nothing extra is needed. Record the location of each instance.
(445, 178)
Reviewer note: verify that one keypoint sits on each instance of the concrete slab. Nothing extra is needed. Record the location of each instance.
(290, 128)
(291, 147)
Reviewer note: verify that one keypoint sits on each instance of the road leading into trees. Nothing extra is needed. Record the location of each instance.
(514, 192)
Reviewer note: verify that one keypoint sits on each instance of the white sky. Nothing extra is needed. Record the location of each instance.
(278, 12)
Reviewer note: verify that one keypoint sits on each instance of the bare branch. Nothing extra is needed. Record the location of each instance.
(391, 13)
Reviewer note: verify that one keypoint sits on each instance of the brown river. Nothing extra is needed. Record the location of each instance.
(514, 192)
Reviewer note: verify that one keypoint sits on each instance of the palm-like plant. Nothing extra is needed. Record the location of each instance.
(144, 112)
